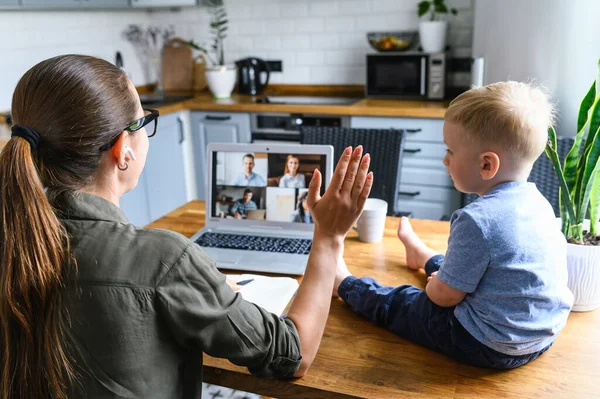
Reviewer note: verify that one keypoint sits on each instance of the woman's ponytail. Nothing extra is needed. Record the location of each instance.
(34, 254)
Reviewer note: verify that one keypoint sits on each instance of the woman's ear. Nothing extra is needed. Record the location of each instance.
(118, 150)
(489, 164)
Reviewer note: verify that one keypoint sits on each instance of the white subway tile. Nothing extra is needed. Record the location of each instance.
(266, 11)
(300, 75)
(250, 27)
(296, 42)
(340, 24)
(296, 9)
(324, 7)
(279, 26)
(354, 7)
(239, 12)
(460, 37)
(310, 25)
(310, 58)
(378, 22)
(267, 43)
(238, 43)
(324, 41)
(347, 57)
(353, 41)
(460, 4)
(394, 5)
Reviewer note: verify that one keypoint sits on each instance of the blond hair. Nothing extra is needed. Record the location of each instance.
(514, 116)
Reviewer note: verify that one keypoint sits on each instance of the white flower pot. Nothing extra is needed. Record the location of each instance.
(583, 264)
(221, 80)
(433, 35)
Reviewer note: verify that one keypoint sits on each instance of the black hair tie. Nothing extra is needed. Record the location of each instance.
(28, 134)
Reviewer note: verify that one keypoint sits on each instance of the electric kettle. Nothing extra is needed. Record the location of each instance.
(249, 71)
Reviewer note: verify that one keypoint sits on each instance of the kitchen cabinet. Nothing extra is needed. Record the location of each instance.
(75, 3)
(215, 127)
(162, 185)
(163, 3)
(105, 3)
(9, 3)
(425, 189)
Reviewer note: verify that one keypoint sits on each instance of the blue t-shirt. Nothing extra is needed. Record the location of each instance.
(506, 251)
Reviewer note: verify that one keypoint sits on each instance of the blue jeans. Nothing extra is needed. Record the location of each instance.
(407, 311)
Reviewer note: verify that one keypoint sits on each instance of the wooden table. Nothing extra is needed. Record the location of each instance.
(359, 359)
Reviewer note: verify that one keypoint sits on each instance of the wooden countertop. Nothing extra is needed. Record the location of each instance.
(358, 359)
(362, 107)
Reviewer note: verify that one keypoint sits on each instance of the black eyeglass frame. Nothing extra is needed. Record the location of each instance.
(132, 127)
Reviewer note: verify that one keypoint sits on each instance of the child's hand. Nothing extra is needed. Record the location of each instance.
(233, 285)
(430, 277)
(336, 212)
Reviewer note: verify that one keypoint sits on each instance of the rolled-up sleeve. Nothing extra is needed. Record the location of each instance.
(202, 311)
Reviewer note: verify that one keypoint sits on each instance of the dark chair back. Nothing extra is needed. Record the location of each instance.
(543, 175)
(385, 147)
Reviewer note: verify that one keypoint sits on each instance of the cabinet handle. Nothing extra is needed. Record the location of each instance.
(180, 121)
(414, 194)
(412, 130)
(412, 150)
(217, 118)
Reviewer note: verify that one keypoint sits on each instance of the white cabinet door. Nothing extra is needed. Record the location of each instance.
(215, 127)
(161, 187)
(163, 3)
(9, 2)
(51, 3)
(165, 169)
(105, 3)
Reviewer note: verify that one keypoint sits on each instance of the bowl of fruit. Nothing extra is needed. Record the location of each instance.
(392, 41)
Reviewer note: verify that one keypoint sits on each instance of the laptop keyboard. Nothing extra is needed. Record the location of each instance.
(255, 243)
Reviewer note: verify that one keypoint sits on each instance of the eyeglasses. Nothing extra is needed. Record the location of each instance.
(152, 116)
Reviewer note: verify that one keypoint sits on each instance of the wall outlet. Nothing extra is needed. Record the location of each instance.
(275, 66)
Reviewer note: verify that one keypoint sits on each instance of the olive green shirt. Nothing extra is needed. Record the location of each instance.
(145, 304)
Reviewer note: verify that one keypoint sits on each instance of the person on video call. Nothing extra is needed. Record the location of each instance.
(243, 205)
(301, 214)
(248, 178)
(291, 178)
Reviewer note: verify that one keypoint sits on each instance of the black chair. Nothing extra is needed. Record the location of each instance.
(385, 147)
(543, 175)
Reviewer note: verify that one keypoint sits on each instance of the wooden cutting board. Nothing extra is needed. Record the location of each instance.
(177, 66)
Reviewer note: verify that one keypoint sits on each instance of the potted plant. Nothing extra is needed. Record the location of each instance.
(433, 31)
(219, 76)
(579, 197)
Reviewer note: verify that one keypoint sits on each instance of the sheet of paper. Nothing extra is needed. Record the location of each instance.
(270, 293)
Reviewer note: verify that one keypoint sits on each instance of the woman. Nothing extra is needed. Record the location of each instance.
(302, 212)
(90, 305)
(291, 178)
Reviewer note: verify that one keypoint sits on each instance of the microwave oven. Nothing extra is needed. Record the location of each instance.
(409, 75)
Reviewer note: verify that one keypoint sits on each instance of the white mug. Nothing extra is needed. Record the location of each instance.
(371, 224)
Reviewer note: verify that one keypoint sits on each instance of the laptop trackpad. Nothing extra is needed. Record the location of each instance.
(224, 257)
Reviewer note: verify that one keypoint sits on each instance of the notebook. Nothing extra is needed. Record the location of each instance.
(256, 214)
(270, 293)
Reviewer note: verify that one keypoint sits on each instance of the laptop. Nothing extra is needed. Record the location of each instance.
(256, 217)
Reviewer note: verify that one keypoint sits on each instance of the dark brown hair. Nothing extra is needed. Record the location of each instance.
(76, 104)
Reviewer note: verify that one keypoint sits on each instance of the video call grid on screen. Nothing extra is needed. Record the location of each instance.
(269, 187)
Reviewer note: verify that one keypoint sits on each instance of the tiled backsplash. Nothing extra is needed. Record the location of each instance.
(319, 41)
(32, 36)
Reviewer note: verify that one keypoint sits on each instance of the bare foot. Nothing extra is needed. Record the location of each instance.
(417, 253)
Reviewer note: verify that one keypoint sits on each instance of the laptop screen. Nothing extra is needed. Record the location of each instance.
(264, 186)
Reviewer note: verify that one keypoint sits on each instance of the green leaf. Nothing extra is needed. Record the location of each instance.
(454, 11)
(553, 155)
(424, 7)
(438, 2)
(441, 8)
(595, 205)
(573, 161)
(591, 154)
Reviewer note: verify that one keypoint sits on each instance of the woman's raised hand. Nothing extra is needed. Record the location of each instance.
(336, 212)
